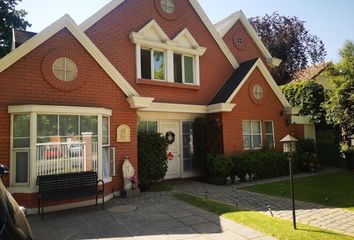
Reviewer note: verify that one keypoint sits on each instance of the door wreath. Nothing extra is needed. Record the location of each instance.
(170, 137)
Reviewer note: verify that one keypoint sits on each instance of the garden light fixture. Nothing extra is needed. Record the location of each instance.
(289, 148)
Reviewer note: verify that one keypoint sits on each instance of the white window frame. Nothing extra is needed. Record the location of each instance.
(251, 134)
(35, 110)
(152, 65)
(183, 69)
(273, 133)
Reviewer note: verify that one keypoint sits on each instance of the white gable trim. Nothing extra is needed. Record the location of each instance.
(141, 38)
(100, 14)
(115, 3)
(269, 79)
(240, 16)
(67, 22)
(214, 33)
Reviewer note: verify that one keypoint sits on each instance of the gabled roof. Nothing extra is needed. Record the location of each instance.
(67, 22)
(22, 36)
(115, 3)
(233, 82)
(233, 85)
(224, 26)
(310, 72)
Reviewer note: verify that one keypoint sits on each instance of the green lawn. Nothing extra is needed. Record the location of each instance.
(335, 189)
(278, 228)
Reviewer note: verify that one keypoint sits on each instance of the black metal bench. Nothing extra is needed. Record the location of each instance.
(68, 186)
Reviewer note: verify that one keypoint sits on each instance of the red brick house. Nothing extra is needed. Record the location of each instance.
(73, 97)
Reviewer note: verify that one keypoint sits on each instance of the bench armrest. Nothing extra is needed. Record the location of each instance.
(102, 184)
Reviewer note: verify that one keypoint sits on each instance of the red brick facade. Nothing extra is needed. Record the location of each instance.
(29, 80)
(269, 109)
(248, 50)
(111, 35)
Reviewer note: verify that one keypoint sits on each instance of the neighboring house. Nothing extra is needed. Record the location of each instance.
(73, 97)
(315, 73)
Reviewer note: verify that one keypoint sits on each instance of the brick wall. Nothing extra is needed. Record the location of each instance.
(111, 35)
(248, 49)
(23, 83)
(246, 109)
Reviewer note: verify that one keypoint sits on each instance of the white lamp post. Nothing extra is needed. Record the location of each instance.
(289, 148)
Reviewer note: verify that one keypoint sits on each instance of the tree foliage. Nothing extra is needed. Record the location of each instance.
(287, 39)
(308, 96)
(340, 102)
(10, 18)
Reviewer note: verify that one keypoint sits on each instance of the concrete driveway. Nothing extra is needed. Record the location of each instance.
(149, 216)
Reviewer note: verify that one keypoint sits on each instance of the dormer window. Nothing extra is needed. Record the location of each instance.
(183, 69)
(162, 59)
(153, 64)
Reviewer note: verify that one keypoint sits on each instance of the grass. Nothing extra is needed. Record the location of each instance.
(160, 187)
(335, 189)
(278, 228)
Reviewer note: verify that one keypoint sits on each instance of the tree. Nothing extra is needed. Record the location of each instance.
(340, 102)
(10, 18)
(287, 39)
(309, 96)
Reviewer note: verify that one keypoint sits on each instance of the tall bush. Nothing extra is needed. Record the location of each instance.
(206, 139)
(152, 158)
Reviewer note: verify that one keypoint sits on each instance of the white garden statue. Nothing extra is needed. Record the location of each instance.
(128, 173)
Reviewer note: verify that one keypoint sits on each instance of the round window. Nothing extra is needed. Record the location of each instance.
(258, 92)
(168, 6)
(65, 69)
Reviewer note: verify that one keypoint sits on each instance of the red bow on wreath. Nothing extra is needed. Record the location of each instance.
(170, 156)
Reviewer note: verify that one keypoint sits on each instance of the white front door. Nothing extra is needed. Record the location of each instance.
(171, 129)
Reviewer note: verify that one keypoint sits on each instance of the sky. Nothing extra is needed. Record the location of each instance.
(331, 20)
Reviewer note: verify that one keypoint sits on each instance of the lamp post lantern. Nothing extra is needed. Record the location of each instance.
(289, 148)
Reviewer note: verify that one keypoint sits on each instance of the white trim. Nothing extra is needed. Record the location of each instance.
(269, 79)
(115, 3)
(214, 33)
(301, 120)
(100, 14)
(58, 109)
(67, 22)
(141, 38)
(140, 102)
(239, 15)
(176, 108)
(186, 108)
(221, 107)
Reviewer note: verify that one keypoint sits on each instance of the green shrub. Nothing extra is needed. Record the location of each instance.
(265, 164)
(306, 156)
(219, 165)
(206, 140)
(152, 158)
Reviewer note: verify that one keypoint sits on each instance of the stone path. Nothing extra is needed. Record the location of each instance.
(150, 216)
(335, 219)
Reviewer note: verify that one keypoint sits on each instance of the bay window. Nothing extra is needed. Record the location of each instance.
(55, 139)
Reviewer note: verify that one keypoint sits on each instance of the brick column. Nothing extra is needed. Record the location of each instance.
(87, 139)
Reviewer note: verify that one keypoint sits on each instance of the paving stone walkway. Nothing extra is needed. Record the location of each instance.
(335, 219)
(150, 216)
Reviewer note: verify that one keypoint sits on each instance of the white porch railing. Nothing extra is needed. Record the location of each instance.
(65, 157)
